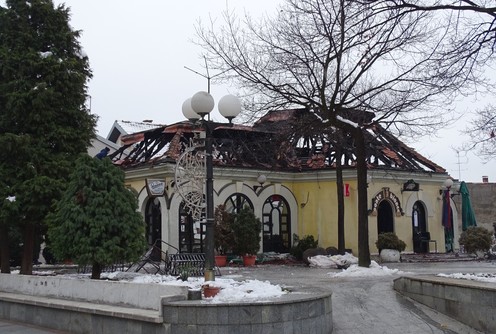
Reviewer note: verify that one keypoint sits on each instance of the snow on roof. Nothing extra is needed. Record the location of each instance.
(132, 127)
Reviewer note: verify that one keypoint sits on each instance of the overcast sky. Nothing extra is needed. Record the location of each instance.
(138, 51)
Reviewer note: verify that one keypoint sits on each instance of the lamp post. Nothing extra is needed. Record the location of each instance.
(196, 109)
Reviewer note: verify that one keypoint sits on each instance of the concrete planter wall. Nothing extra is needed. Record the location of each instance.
(146, 296)
(90, 306)
(470, 302)
(390, 255)
(291, 314)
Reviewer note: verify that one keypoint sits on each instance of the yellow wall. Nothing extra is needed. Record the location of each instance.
(316, 204)
(318, 216)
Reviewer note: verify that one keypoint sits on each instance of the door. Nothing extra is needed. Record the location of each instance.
(276, 221)
(419, 228)
(385, 220)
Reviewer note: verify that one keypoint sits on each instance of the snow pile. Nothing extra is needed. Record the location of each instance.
(373, 270)
(350, 262)
(231, 290)
(491, 278)
(335, 261)
(245, 291)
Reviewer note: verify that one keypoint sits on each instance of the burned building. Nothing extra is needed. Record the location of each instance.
(297, 158)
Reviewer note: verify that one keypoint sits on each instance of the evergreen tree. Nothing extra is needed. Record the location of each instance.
(43, 86)
(246, 229)
(96, 221)
(15, 150)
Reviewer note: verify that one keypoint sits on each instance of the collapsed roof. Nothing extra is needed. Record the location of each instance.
(288, 140)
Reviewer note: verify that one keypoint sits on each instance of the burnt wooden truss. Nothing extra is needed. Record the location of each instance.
(287, 140)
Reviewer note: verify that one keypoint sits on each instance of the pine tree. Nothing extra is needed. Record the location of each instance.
(15, 151)
(96, 221)
(43, 86)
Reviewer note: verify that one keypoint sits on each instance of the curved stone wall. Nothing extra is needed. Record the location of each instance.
(292, 313)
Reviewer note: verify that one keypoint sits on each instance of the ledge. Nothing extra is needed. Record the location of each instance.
(84, 307)
(470, 302)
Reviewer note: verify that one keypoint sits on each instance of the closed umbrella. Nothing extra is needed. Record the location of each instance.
(447, 221)
(468, 214)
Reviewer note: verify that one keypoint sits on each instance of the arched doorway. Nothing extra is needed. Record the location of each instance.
(191, 232)
(276, 225)
(153, 220)
(419, 228)
(385, 217)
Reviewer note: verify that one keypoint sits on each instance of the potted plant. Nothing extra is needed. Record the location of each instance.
(476, 240)
(390, 247)
(224, 236)
(247, 229)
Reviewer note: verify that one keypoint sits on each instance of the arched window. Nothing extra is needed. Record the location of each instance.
(153, 221)
(276, 221)
(236, 202)
(191, 233)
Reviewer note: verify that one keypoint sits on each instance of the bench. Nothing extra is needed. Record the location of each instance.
(193, 263)
(156, 261)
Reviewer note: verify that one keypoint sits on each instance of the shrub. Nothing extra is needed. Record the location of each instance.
(476, 239)
(246, 231)
(224, 235)
(389, 240)
(302, 245)
(311, 252)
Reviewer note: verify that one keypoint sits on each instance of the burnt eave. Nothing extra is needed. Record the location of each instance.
(271, 144)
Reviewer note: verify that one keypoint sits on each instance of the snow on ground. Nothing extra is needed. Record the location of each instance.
(491, 278)
(350, 262)
(231, 290)
(353, 270)
(335, 261)
(257, 291)
(373, 270)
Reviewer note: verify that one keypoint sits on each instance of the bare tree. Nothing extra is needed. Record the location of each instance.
(471, 28)
(343, 61)
(482, 132)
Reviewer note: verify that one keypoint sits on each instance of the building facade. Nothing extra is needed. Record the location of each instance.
(298, 195)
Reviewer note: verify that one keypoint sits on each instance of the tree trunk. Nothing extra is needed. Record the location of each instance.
(4, 249)
(96, 271)
(27, 249)
(363, 224)
(340, 194)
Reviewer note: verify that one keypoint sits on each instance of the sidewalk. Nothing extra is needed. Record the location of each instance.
(369, 305)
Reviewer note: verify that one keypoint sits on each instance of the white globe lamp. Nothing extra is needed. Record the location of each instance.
(202, 103)
(188, 112)
(229, 107)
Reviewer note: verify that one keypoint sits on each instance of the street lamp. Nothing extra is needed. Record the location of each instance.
(197, 108)
(448, 183)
